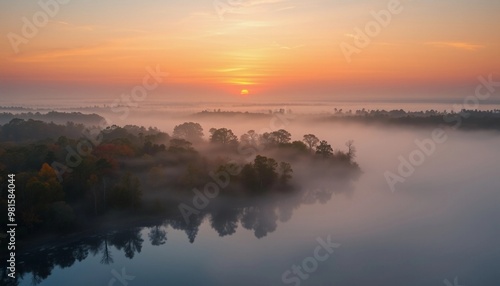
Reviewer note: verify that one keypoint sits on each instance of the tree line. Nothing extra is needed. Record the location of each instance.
(133, 164)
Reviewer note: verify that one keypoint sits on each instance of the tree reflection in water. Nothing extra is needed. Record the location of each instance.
(260, 214)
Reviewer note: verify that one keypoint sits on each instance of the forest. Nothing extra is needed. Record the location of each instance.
(66, 181)
(51, 116)
(464, 119)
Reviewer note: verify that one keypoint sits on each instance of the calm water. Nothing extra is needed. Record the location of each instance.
(440, 224)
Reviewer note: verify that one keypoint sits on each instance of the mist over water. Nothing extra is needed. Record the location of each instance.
(104, 103)
(250, 143)
(440, 223)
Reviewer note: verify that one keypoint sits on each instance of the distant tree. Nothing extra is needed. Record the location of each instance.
(127, 193)
(92, 185)
(151, 149)
(249, 177)
(351, 149)
(114, 150)
(281, 136)
(21, 130)
(324, 149)
(311, 140)
(265, 169)
(180, 145)
(276, 137)
(118, 133)
(41, 191)
(285, 172)
(223, 136)
(192, 176)
(267, 140)
(299, 146)
(190, 131)
(261, 174)
(159, 137)
(45, 186)
(250, 138)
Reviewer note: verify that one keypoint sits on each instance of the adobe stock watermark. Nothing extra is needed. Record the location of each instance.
(31, 27)
(93, 136)
(222, 179)
(122, 278)
(455, 282)
(321, 253)
(362, 38)
(228, 6)
(428, 146)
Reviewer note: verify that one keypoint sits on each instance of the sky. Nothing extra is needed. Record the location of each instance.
(283, 49)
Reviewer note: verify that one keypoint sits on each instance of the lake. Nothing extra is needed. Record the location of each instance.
(439, 227)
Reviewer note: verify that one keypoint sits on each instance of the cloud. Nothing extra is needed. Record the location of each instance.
(456, 45)
(228, 70)
(70, 26)
(104, 50)
(66, 26)
(50, 55)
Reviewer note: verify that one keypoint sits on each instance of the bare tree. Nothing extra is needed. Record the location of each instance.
(351, 149)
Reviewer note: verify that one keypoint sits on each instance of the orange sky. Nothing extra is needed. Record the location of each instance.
(259, 45)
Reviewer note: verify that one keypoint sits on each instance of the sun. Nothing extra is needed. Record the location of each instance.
(244, 92)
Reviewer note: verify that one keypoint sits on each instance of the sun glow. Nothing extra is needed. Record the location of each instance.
(244, 92)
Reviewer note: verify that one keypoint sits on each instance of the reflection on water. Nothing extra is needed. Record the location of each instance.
(224, 215)
(440, 224)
